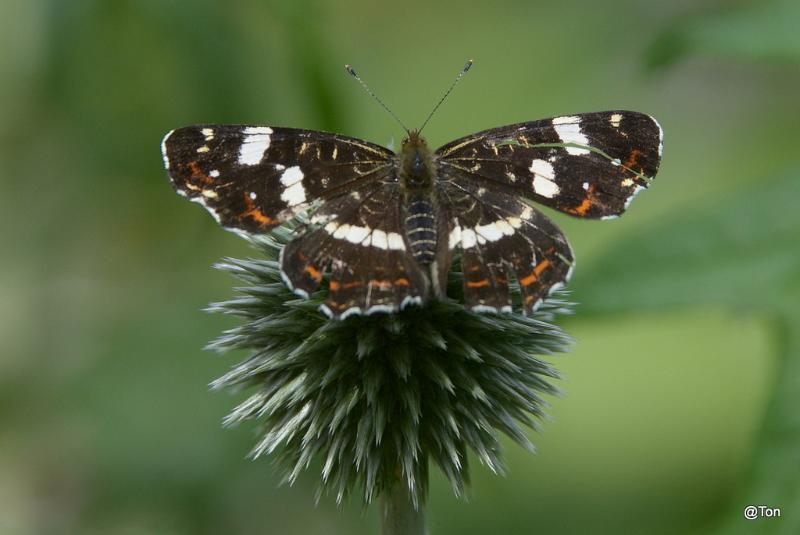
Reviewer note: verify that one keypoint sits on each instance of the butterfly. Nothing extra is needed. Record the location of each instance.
(387, 226)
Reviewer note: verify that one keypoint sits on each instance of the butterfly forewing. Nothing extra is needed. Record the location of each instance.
(252, 178)
(587, 165)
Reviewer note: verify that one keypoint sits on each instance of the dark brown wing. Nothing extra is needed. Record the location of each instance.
(252, 178)
(499, 235)
(361, 240)
(587, 165)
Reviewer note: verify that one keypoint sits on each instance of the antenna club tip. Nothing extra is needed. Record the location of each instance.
(468, 65)
(349, 68)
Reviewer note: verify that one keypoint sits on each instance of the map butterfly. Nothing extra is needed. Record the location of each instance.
(387, 226)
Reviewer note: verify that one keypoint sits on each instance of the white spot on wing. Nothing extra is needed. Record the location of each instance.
(504, 226)
(615, 119)
(395, 241)
(567, 119)
(468, 238)
(455, 237)
(543, 179)
(379, 239)
(257, 130)
(366, 236)
(291, 176)
(294, 192)
(569, 131)
(253, 195)
(294, 195)
(490, 232)
(214, 173)
(254, 144)
(357, 234)
(341, 231)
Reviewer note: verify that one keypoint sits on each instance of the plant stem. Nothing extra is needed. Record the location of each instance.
(398, 515)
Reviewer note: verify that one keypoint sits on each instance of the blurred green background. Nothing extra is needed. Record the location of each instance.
(681, 393)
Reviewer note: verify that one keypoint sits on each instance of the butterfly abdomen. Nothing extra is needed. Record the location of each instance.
(421, 228)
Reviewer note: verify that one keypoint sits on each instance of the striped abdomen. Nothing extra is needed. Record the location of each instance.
(421, 229)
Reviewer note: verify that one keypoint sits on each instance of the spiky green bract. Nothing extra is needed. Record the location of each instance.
(375, 398)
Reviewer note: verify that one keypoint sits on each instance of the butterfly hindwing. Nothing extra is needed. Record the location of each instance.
(587, 165)
(359, 238)
(252, 178)
(499, 235)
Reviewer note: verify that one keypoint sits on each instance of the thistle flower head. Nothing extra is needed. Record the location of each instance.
(374, 399)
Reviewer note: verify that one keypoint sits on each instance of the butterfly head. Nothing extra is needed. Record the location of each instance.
(416, 163)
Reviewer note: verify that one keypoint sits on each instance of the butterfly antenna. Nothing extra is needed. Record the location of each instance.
(352, 72)
(458, 79)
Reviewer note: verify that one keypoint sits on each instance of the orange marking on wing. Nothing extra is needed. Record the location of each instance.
(315, 273)
(631, 161)
(402, 281)
(541, 266)
(478, 284)
(382, 284)
(334, 286)
(198, 173)
(352, 284)
(254, 212)
(537, 271)
(584, 206)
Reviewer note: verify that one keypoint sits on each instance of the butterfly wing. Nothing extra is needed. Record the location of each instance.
(252, 178)
(588, 165)
(499, 235)
(361, 241)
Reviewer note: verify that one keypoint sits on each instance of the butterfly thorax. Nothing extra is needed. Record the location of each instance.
(416, 165)
(417, 177)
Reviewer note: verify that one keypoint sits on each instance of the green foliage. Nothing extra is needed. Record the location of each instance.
(764, 32)
(748, 242)
(374, 398)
